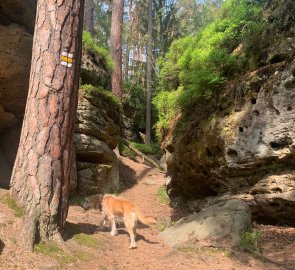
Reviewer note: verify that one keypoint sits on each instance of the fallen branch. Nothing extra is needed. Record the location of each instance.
(144, 157)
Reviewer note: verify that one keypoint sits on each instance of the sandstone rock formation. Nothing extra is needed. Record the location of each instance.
(94, 70)
(97, 133)
(98, 117)
(224, 220)
(244, 145)
(16, 30)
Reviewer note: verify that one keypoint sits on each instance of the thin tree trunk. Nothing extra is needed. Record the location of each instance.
(88, 17)
(127, 57)
(40, 178)
(149, 75)
(116, 45)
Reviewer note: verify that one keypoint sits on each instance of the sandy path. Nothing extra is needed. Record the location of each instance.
(141, 184)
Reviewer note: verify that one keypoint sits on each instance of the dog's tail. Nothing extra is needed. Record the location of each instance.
(143, 219)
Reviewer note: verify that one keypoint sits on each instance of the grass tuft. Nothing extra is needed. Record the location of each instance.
(86, 240)
(162, 195)
(250, 240)
(52, 250)
(12, 204)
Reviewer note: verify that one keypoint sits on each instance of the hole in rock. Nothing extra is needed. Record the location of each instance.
(256, 112)
(281, 143)
(232, 153)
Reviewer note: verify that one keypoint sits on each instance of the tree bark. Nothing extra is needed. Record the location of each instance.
(116, 46)
(149, 75)
(127, 57)
(88, 17)
(40, 178)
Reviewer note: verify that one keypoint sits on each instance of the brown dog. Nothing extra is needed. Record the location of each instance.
(113, 207)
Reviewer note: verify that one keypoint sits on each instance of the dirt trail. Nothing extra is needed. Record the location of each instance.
(141, 184)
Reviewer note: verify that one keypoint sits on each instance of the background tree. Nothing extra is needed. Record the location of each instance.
(102, 23)
(116, 45)
(40, 178)
(149, 74)
(89, 17)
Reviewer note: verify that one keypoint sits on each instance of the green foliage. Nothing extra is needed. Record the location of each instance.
(162, 195)
(135, 100)
(152, 149)
(198, 65)
(102, 93)
(89, 44)
(250, 240)
(252, 46)
(167, 106)
(12, 204)
(126, 151)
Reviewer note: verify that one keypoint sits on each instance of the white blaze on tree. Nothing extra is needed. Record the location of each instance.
(40, 178)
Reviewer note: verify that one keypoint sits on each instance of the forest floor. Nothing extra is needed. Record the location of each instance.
(92, 247)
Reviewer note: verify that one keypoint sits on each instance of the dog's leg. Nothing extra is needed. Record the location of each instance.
(114, 229)
(105, 220)
(130, 224)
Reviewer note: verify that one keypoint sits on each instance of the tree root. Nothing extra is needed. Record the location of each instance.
(57, 238)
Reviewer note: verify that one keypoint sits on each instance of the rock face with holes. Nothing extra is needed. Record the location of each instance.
(244, 147)
(96, 134)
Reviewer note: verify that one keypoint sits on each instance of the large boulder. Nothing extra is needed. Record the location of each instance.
(15, 62)
(98, 115)
(18, 11)
(271, 199)
(96, 134)
(224, 220)
(97, 165)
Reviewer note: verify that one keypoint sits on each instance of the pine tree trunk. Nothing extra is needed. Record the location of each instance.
(127, 57)
(40, 178)
(116, 45)
(149, 76)
(88, 17)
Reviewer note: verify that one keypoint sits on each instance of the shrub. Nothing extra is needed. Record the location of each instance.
(196, 66)
(152, 149)
(167, 106)
(162, 195)
(250, 240)
(106, 95)
(89, 44)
